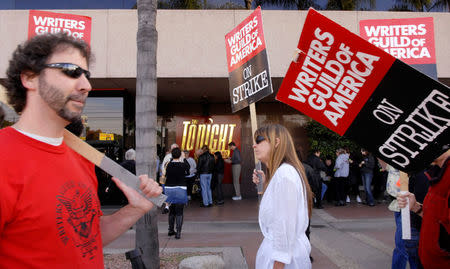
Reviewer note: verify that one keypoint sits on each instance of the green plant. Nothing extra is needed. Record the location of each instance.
(326, 141)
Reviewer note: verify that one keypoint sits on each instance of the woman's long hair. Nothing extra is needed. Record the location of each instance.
(218, 155)
(283, 153)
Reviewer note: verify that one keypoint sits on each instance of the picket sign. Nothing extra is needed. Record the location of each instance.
(45, 22)
(248, 68)
(358, 90)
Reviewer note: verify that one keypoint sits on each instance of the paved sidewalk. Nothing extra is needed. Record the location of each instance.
(354, 236)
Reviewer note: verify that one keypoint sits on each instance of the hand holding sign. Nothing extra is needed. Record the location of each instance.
(248, 64)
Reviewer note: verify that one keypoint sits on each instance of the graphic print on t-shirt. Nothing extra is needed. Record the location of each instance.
(76, 210)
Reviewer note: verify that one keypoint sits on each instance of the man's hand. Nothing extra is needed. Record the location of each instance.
(149, 189)
(112, 226)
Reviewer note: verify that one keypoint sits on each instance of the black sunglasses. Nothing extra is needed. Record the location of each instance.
(259, 139)
(71, 70)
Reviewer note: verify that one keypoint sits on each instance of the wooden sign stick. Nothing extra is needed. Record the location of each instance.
(406, 221)
(106, 164)
(254, 124)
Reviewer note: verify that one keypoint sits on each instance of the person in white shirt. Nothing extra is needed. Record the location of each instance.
(168, 157)
(342, 168)
(286, 204)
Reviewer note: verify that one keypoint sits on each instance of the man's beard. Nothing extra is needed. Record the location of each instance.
(76, 127)
(56, 100)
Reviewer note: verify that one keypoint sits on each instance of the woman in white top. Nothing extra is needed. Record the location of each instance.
(286, 203)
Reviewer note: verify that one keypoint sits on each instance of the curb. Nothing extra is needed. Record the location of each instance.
(232, 256)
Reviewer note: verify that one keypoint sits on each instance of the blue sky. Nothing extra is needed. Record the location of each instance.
(126, 4)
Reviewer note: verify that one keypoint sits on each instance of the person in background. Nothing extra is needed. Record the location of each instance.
(418, 184)
(379, 180)
(366, 166)
(130, 165)
(175, 189)
(162, 179)
(190, 178)
(399, 254)
(167, 159)
(205, 169)
(235, 161)
(130, 161)
(286, 204)
(406, 250)
(434, 241)
(48, 84)
(219, 169)
(318, 166)
(354, 177)
(341, 176)
(328, 180)
(313, 183)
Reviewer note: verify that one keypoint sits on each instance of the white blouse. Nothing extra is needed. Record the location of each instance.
(283, 219)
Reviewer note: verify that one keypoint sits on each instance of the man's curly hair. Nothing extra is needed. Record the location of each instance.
(32, 56)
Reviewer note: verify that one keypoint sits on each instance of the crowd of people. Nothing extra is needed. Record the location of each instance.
(179, 172)
(338, 181)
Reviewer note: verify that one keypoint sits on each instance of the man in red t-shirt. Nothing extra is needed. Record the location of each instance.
(50, 214)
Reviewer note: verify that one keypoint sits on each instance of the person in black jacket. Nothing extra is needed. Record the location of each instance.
(219, 169)
(367, 165)
(329, 194)
(176, 191)
(205, 169)
(318, 166)
(354, 177)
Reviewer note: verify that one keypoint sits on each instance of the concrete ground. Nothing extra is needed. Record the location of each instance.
(354, 236)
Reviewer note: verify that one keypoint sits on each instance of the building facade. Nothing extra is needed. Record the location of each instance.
(191, 68)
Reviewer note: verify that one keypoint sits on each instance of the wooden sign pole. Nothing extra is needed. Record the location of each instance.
(406, 222)
(254, 124)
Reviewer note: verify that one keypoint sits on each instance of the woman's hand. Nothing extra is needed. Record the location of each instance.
(402, 199)
(255, 177)
(278, 265)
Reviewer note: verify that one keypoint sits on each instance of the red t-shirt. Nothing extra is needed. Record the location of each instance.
(49, 209)
(436, 223)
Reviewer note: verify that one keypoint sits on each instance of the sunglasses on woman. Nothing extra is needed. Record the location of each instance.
(70, 70)
(259, 139)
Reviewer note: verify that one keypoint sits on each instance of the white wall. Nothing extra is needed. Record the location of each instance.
(191, 43)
